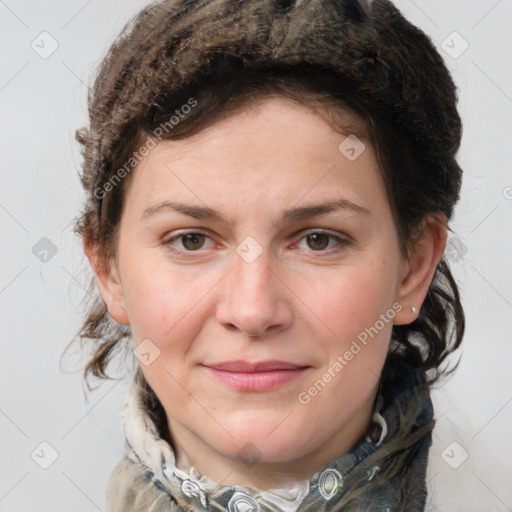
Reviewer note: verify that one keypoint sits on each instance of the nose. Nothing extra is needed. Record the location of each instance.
(255, 300)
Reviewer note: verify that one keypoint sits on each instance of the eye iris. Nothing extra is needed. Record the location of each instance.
(192, 237)
(317, 239)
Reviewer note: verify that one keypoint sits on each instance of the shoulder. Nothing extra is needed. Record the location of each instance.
(460, 476)
(129, 489)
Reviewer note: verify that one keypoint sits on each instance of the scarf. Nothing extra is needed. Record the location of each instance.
(384, 472)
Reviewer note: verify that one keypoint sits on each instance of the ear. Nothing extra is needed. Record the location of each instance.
(419, 268)
(108, 282)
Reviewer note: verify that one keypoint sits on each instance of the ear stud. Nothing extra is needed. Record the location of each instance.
(413, 309)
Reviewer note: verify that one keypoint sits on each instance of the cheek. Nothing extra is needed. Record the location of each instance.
(159, 302)
(350, 301)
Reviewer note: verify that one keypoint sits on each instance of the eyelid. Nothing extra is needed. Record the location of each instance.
(342, 239)
(167, 240)
(322, 231)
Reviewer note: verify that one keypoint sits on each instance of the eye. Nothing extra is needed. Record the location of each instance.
(191, 241)
(194, 241)
(319, 241)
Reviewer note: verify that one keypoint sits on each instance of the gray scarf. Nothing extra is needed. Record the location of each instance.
(385, 472)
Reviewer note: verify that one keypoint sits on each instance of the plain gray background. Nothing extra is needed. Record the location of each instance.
(43, 101)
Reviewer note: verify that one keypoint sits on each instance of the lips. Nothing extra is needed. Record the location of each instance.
(255, 376)
(247, 367)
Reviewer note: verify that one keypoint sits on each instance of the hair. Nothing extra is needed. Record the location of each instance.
(222, 56)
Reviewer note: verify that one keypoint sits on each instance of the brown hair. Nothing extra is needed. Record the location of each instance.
(361, 56)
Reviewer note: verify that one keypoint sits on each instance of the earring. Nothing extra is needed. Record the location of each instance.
(413, 309)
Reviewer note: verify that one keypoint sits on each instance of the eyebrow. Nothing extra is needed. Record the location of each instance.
(293, 214)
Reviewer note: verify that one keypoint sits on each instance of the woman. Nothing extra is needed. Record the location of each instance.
(269, 189)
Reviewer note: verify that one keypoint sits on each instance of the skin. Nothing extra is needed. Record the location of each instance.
(301, 300)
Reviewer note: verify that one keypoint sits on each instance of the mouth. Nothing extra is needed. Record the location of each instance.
(255, 376)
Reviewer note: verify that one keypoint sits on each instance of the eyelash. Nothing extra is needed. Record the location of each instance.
(342, 242)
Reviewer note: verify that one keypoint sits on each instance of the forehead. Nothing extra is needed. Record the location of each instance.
(274, 149)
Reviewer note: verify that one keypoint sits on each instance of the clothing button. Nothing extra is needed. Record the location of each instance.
(372, 472)
(329, 483)
(241, 502)
(192, 490)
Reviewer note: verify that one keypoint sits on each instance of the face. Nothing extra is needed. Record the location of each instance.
(260, 267)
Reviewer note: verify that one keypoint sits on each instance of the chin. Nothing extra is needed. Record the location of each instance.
(253, 444)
